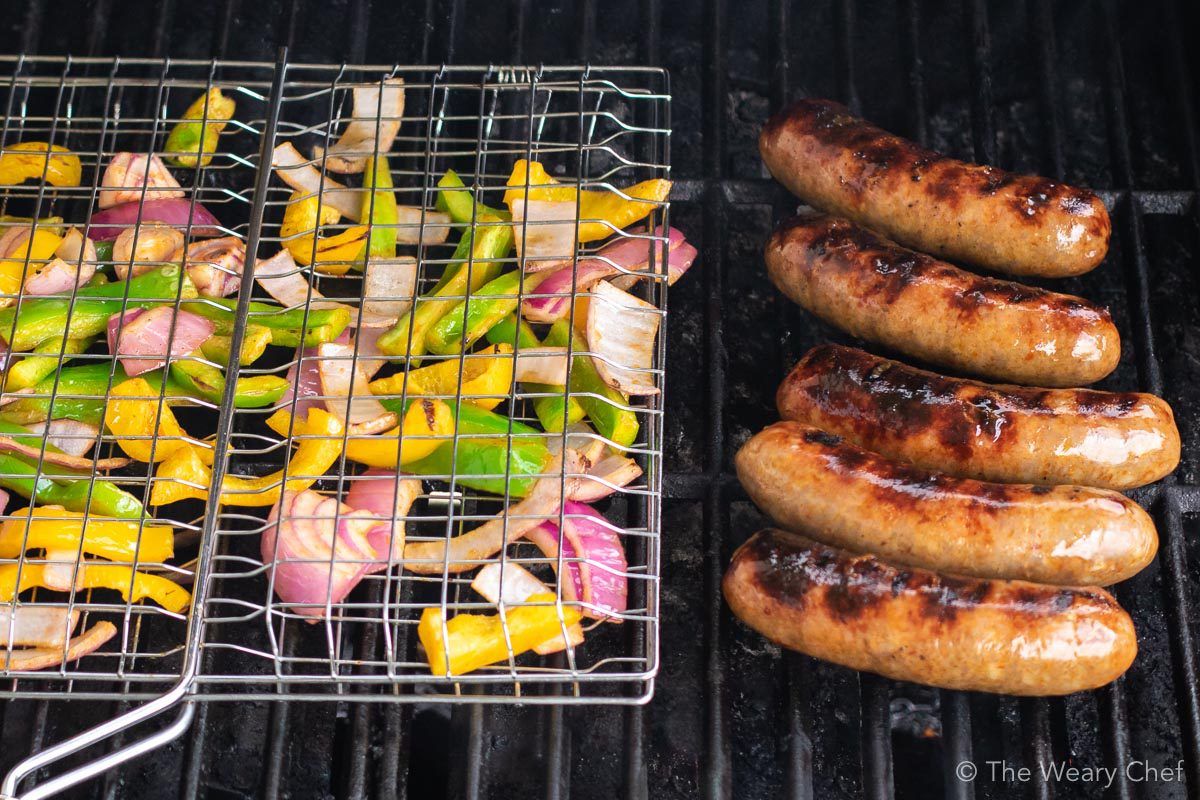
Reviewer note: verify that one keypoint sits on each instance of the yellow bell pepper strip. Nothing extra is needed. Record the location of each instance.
(134, 411)
(37, 250)
(425, 427)
(185, 476)
(52, 224)
(487, 378)
(26, 160)
(334, 254)
(607, 206)
(476, 640)
(55, 528)
(98, 575)
(191, 142)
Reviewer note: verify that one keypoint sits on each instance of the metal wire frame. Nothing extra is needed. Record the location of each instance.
(478, 120)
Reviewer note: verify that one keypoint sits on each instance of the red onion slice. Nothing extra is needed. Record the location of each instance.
(74, 265)
(388, 496)
(130, 177)
(215, 265)
(304, 377)
(184, 215)
(593, 557)
(316, 550)
(140, 341)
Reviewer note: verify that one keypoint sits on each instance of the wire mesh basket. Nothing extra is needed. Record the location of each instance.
(233, 637)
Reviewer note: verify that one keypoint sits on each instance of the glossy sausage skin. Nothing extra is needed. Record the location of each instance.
(816, 483)
(926, 308)
(1015, 224)
(1010, 637)
(1008, 434)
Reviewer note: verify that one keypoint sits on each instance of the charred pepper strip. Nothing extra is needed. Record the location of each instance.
(606, 407)
(551, 411)
(491, 243)
(26, 160)
(191, 142)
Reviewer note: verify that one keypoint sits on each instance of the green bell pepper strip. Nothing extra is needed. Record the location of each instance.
(58, 485)
(288, 326)
(40, 319)
(208, 383)
(79, 395)
(254, 344)
(470, 319)
(104, 251)
(31, 369)
(605, 406)
(379, 209)
(489, 244)
(194, 138)
(456, 200)
(551, 411)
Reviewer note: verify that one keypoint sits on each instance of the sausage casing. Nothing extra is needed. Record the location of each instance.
(1015, 224)
(816, 483)
(971, 634)
(926, 308)
(1008, 434)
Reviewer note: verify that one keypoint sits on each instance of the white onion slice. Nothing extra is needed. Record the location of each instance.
(542, 365)
(544, 232)
(377, 110)
(608, 474)
(621, 330)
(347, 391)
(284, 281)
(77, 648)
(63, 570)
(72, 437)
(296, 171)
(36, 626)
(517, 586)
(389, 286)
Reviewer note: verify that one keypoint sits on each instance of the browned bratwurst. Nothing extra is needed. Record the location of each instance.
(1009, 434)
(815, 482)
(1016, 224)
(911, 302)
(914, 625)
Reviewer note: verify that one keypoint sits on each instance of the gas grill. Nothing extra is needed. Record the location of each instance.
(1101, 95)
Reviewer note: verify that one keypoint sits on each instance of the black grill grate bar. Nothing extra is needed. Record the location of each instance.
(876, 728)
(956, 744)
(916, 77)
(1051, 110)
(843, 59)
(983, 119)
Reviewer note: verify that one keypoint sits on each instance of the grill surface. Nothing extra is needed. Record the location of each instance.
(1100, 94)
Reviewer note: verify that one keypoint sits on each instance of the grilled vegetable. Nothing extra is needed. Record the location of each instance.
(193, 142)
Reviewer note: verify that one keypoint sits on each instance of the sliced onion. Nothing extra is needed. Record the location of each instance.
(389, 286)
(283, 280)
(130, 177)
(347, 391)
(621, 330)
(296, 171)
(215, 265)
(138, 250)
(316, 550)
(416, 224)
(185, 215)
(606, 476)
(367, 342)
(583, 440)
(41, 658)
(593, 556)
(542, 365)
(74, 265)
(11, 445)
(376, 121)
(544, 232)
(3, 500)
(518, 585)
(552, 299)
(467, 550)
(140, 341)
(304, 379)
(71, 436)
(63, 571)
(36, 626)
(389, 497)
(14, 237)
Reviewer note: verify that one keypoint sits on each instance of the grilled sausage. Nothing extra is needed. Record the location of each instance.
(814, 482)
(911, 302)
(1009, 434)
(914, 625)
(1016, 224)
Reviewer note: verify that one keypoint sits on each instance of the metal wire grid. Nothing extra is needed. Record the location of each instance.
(478, 120)
(596, 131)
(95, 110)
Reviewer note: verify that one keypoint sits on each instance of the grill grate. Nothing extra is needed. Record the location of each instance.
(766, 724)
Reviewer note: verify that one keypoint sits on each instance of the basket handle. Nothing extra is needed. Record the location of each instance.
(92, 737)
